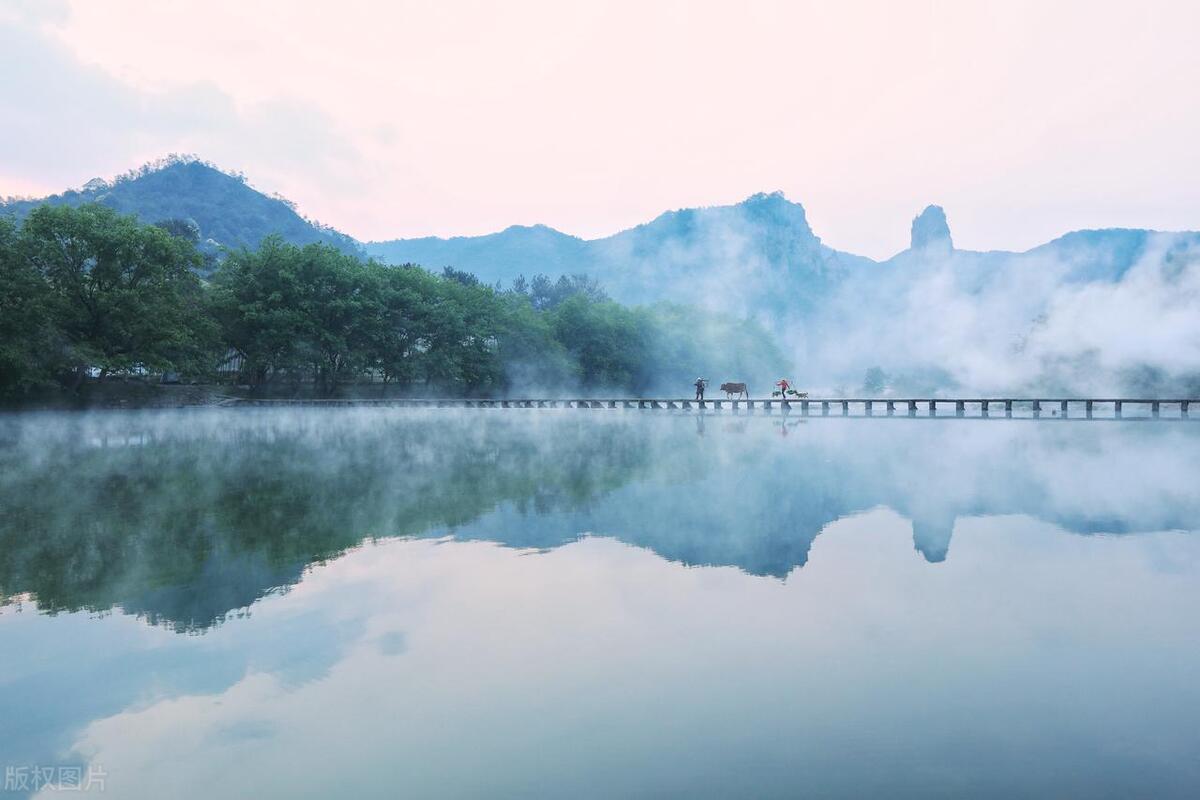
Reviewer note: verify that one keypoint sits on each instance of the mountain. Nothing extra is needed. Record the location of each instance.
(516, 250)
(224, 208)
(1093, 311)
(759, 256)
(930, 231)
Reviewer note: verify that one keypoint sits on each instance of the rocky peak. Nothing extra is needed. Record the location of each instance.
(930, 230)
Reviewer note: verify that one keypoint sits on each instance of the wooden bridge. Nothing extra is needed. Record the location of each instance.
(1064, 408)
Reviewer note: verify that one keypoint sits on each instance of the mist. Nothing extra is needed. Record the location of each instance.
(1096, 313)
(1019, 323)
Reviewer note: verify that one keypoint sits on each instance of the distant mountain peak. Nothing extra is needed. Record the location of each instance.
(776, 196)
(537, 229)
(227, 210)
(931, 231)
(774, 209)
(771, 201)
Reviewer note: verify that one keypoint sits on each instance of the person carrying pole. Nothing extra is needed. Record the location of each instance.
(700, 384)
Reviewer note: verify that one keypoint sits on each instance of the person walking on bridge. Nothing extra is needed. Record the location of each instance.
(700, 384)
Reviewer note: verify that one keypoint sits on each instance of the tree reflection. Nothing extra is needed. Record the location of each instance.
(184, 517)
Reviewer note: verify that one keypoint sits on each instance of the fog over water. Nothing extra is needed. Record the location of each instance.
(597, 602)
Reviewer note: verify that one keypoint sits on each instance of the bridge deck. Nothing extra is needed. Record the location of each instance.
(824, 406)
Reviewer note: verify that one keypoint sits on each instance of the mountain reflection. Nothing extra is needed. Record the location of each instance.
(183, 517)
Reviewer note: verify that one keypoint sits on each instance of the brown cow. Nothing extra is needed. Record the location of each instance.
(730, 389)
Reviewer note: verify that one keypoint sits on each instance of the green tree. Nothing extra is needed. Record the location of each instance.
(608, 342)
(123, 295)
(530, 355)
(289, 309)
(29, 344)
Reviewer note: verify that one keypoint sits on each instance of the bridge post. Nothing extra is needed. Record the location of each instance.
(1183, 408)
(717, 405)
(959, 408)
(785, 406)
(1154, 409)
(1063, 407)
(1008, 408)
(1087, 409)
(933, 408)
(912, 408)
(612, 403)
(804, 407)
(891, 407)
(1037, 408)
(687, 404)
(869, 407)
(824, 408)
(1117, 409)
(671, 404)
(766, 406)
(845, 408)
(984, 408)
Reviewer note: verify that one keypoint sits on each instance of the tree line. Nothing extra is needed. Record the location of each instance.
(87, 293)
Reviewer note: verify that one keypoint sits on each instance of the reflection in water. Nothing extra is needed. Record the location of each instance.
(183, 517)
(532, 633)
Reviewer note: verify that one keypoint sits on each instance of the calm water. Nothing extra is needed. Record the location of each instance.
(375, 603)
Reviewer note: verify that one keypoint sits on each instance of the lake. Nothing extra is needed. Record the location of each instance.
(394, 603)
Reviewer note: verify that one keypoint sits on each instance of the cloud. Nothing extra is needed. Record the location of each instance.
(66, 121)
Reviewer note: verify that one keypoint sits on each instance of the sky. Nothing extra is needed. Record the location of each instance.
(1023, 119)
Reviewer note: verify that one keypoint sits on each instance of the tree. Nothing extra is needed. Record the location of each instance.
(545, 294)
(394, 346)
(29, 345)
(124, 295)
(607, 341)
(290, 309)
(875, 381)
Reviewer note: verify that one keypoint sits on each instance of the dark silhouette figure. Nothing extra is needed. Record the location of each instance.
(700, 384)
(731, 389)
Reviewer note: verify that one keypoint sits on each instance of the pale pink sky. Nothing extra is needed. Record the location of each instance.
(1023, 119)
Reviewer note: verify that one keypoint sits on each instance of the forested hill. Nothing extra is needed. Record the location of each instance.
(226, 211)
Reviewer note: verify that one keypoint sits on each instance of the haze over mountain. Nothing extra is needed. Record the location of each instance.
(686, 255)
(1093, 310)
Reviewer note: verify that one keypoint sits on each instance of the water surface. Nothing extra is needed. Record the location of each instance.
(547, 603)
